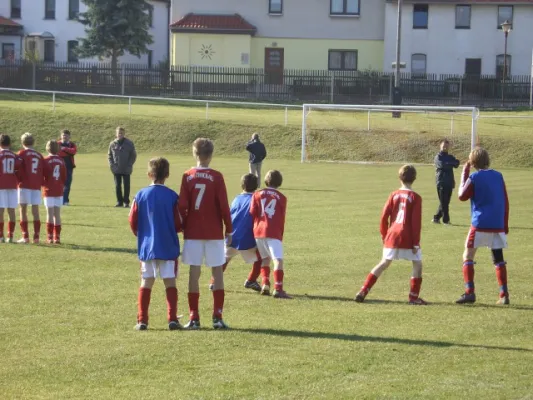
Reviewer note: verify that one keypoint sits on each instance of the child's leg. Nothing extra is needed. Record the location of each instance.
(24, 221)
(1, 223)
(373, 276)
(265, 271)
(194, 291)
(172, 299)
(57, 224)
(416, 280)
(468, 270)
(256, 269)
(143, 303)
(278, 274)
(12, 218)
(212, 281)
(501, 271)
(36, 221)
(49, 223)
(218, 291)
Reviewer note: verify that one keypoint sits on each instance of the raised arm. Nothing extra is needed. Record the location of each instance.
(466, 190)
(134, 218)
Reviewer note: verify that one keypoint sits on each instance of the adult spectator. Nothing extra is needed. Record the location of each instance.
(258, 153)
(444, 163)
(67, 151)
(122, 156)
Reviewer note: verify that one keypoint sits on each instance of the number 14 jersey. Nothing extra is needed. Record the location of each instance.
(401, 220)
(268, 208)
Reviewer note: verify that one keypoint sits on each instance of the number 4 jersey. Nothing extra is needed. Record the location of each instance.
(32, 169)
(55, 175)
(401, 220)
(268, 212)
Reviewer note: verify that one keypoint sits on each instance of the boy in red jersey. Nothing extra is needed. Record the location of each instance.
(55, 176)
(203, 205)
(268, 209)
(9, 165)
(400, 231)
(30, 187)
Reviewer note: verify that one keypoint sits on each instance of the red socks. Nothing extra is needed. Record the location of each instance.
(10, 229)
(24, 229)
(1, 229)
(501, 275)
(369, 282)
(265, 275)
(36, 229)
(49, 231)
(193, 305)
(278, 280)
(57, 233)
(468, 276)
(255, 272)
(416, 283)
(218, 303)
(142, 305)
(172, 303)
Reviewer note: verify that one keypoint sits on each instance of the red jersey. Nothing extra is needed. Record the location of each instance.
(203, 205)
(268, 209)
(10, 164)
(55, 175)
(401, 220)
(32, 169)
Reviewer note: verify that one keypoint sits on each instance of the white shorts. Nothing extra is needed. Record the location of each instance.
(249, 256)
(50, 202)
(8, 198)
(167, 269)
(402, 254)
(492, 240)
(195, 252)
(30, 197)
(270, 248)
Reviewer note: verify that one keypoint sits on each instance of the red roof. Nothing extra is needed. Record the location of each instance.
(8, 22)
(213, 23)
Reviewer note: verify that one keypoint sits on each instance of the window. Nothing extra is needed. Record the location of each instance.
(342, 60)
(72, 54)
(275, 6)
(151, 16)
(344, 7)
(49, 9)
(500, 60)
(473, 67)
(420, 16)
(150, 58)
(49, 50)
(462, 17)
(15, 9)
(8, 51)
(73, 9)
(418, 64)
(505, 13)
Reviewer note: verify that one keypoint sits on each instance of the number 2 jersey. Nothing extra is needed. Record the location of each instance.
(401, 220)
(203, 205)
(32, 169)
(9, 166)
(55, 175)
(268, 209)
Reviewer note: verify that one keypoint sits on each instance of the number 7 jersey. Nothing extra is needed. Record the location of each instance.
(268, 209)
(401, 220)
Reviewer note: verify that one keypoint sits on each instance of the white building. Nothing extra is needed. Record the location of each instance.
(49, 29)
(460, 37)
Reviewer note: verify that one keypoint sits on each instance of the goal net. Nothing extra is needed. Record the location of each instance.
(385, 134)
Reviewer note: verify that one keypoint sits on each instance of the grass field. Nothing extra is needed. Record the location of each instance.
(67, 312)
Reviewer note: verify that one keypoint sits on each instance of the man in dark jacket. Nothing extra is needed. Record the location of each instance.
(67, 152)
(258, 153)
(444, 163)
(122, 156)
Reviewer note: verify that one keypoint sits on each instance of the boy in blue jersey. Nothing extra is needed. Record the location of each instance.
(155, 220)
(486, 191)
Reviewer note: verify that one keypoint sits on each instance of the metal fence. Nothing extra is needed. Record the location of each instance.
(289, 86)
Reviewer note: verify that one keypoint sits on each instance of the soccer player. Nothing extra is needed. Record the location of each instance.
(9, 165)
(204, 208)
(486, 191)
(154, 218)
(67, 152)
(55, 176)
(400, 231)
(30, 187)
(268, 209)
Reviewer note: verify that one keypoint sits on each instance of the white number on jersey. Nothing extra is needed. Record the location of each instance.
(201, 188)
(34, 165)
(269, 209)
(56, 173)
(400, 218)
(8, 165)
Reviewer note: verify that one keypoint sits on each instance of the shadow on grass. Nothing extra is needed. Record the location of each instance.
(89, 226)
(310, 190)
(374, 339)
(65, 246)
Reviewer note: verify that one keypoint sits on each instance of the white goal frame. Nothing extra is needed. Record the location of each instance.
(379, 108)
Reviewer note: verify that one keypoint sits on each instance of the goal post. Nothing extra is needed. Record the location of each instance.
(369, 133)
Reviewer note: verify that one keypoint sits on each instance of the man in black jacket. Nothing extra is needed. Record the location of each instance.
(444, 163)
(258, 153)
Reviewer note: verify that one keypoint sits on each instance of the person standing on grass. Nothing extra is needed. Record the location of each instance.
(122, 156)
(55, 176)
(444, 163)
(10, 165)
(258, 153)
(67, 151)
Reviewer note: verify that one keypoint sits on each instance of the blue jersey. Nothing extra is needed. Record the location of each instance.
(243, 227)
(488, 199)
(155, 220)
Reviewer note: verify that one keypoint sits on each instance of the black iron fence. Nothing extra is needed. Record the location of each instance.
(350, 87)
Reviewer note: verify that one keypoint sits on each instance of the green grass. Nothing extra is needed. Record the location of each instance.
(67, 312)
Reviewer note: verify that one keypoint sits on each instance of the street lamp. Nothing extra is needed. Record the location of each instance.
(506, 28)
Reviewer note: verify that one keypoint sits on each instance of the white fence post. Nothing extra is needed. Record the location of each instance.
(286, 116)
(123, 76)
(129, 105)
(368, 121)
(54, 101)
(191, 81)
(206, 110)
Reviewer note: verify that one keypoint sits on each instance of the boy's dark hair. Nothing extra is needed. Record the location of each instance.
(249, 183)
(5, 140)
(273, 179)
(203, 148)
(407, 174)
(158, 168)
(65, 132)
(444, 141)
(479, 158)
(52, 147)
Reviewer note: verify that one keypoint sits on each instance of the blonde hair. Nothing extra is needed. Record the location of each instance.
(479, 158)
(407, 174)
(52, 147)
(273, 179)
(203, 148)
(27, 139)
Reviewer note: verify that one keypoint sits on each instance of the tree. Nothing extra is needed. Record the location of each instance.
(114, 27)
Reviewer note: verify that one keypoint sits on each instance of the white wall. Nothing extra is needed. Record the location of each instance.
(64, 29)
(447, 48)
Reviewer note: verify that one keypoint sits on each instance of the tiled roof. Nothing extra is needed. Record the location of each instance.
(7, 22)
(213, 23)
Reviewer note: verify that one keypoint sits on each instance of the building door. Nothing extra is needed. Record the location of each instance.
(473, 67)
(274, 65)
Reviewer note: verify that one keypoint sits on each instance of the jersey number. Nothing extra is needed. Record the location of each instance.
(400, 218)
(34, 165)
(201, 191)
(56, 173)
(8, 165)
(268, 209)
